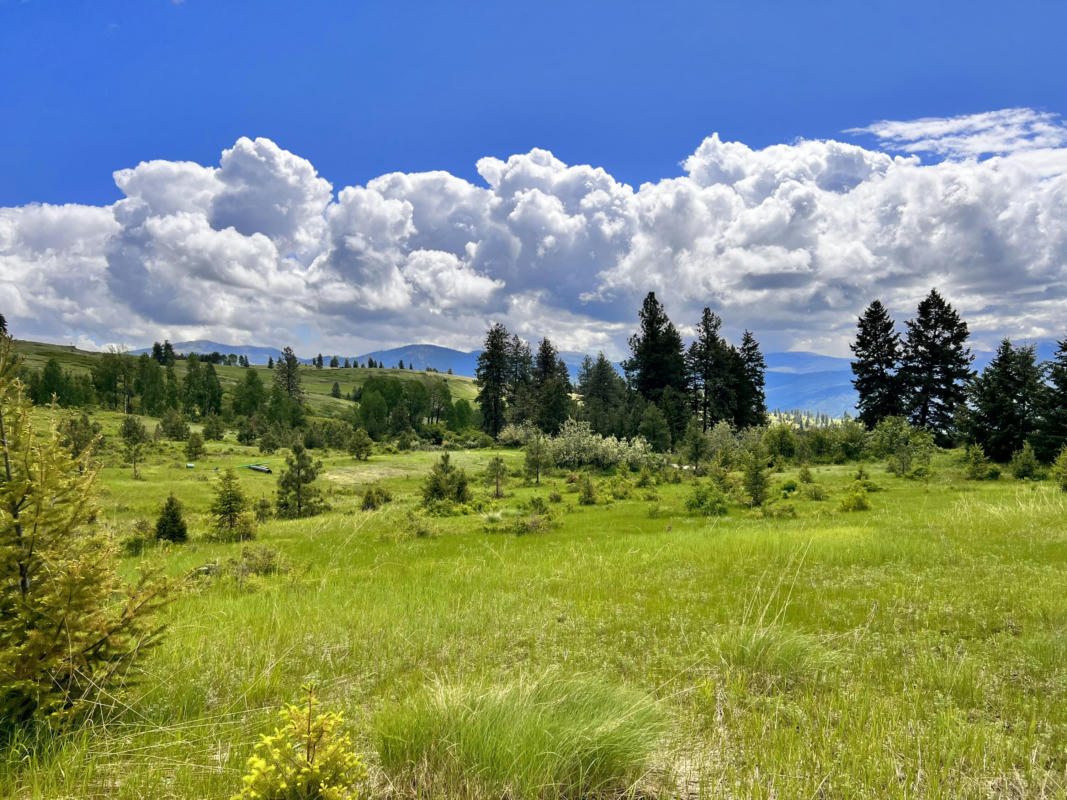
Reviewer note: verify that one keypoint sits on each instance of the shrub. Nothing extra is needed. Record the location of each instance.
(194, 447)
(553, 736)
(780, 441)
(309, 757)
(229, 503)
(805, 475)
(360, 444)
(855, 499)
(707, 501)
(263, 509)
(445, 483)
(619, 488)
(1024, 464)
(814, 491)
(375, 497)
(901, 444)
(174, 426)
(538, 458)
(586, 491)
(754, 479)
(555, 497)
(67, 571)
(788, 487)
(513, 435)
(171, 526)
(978, 466)
(214, 430)
(1059, 469)
(258, 561)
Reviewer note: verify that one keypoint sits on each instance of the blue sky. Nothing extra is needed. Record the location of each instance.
(361, 89)
(350, 176)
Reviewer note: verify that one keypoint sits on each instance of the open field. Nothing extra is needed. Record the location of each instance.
(912, 650)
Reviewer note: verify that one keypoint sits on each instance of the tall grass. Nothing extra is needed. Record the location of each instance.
(547, 737)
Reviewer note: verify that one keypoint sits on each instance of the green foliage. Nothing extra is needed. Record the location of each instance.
(170, 525)
(134, 436)
(1002, 402)
(780, 441)
(656, 358)
(375, 497)
(855, 499)
(695, 446)
(1024, 464)
(297, 494)
(535, 739)
(360, 445)
(538, 458)
(308, 757)
(69, 626)
(805, 476)
(706, 500)
(494, 375)
(1059, 469)
(445, 483)
(174, 426)
(214, 430)
(194, 446)
(754, 480)
(586, 491)
(654, 429)
(228, 506)
(978, 466)
(497, 475)
(877, 359)
(79, 434)
(902, 445)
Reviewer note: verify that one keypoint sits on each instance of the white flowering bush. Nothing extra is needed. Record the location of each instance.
(576, 446)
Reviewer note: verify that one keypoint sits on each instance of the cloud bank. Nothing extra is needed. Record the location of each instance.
(791, 241)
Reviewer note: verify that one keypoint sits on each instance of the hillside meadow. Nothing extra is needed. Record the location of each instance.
(911, 650)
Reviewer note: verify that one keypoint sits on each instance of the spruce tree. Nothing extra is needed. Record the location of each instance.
(69, 625)
(750, 400)
(134, 436)
(603, 393)
(297, 494)
(656, 355)
(170, 526)
(493, 375)
(229, 503)
(3, 325)
(654, 429)
(194, 446)
(1051, 436)
(708, 368)
(287, 376)
(1002, 402)
(552, 389)
(270, 362)
(877, 359)
(935, 366)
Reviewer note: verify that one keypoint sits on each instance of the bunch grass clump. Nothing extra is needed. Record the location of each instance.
(547, 737)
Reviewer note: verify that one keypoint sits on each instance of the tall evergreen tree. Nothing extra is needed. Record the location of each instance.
(134, 436)
(193, 389)
(656, 355)
(287, 376)
(3, 325)
(169, 356)
(157, 353)
(249, 394)
(750, 400)
(1051, 434)
(1002, 402)
(552, 388)
(708, 367)
(877, 359)
(603, 393)
(494, 374)
(297, 494)
(229, 502)
(935, 366)
(521, 396)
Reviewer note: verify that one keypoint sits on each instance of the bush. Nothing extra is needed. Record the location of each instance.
(586, 491)
(1024, 464)
(360, 444)
(788, 487)
(445, 483)
(814, 491)
(978, 466)
(264, 509)
(555, 497)
(174, 426)
(805, 475)
(309, 757)
(553, 736)
(902, 445)
(228, 505)
(707, 501)
(755, 479)
(1059, 469)
(375, 497)
(214, 430)
(855, 499)
(171, 526)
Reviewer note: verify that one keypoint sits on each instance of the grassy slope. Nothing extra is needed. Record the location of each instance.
(317, 382)
(913, 650)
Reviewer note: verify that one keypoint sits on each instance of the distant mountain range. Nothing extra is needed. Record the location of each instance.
(794, 379)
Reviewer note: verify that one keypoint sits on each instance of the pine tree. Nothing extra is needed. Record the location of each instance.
(1051, 436)
(445, 482)
(551, 388)
(317, 361)
(287, 376)
(249, 394)
(134, 436)
(170, 526)
(360, 444)
(297, 494)
(229, 503)
(270, 362)
(497, 472)
(194, 446)
(935, 366)
(335, 390)
(656, 357)
(708, 369)
(603, 393)
(169, 356)
(751, 402)
(654, 429)
(194, 392)
(157, 353)
(538, 458)
(335, 362)
(493, 375)
(348, 364)
(877, 359)
(79, 434)
(3, 325)
(69, 626)
(1002, 402)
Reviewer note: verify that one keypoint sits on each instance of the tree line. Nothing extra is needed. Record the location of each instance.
(925, 377)
(665, 386)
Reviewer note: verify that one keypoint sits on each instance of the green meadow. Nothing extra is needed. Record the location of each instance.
(912, 650)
